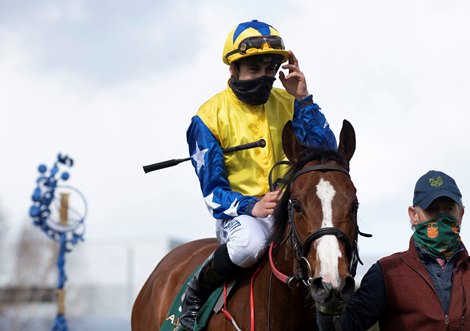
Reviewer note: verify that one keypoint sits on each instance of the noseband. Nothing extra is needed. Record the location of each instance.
(301, 249)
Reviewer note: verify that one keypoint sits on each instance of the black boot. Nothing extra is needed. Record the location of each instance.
(216, 269)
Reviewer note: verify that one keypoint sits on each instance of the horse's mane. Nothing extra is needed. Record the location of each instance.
(280, 215)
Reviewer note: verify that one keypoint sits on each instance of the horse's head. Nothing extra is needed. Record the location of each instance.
(320, 206)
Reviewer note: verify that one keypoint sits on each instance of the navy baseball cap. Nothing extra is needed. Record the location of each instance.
(435, 184)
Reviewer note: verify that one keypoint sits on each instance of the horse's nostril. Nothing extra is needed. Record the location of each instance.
(317, 283)
(320, 289)
(348, 288)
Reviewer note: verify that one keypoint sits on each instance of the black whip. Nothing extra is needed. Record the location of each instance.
(170, 163)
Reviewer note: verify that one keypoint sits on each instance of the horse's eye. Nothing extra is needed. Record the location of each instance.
(297, 206)
(354, 207)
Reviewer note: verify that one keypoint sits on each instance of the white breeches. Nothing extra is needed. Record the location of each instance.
(246, 238)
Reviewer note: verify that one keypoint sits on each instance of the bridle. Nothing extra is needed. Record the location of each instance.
(301, 249)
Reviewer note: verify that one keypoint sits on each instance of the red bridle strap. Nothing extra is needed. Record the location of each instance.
(279, 275)
(252, 301)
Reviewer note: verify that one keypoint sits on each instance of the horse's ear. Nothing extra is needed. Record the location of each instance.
(347, 140)
(290, 144)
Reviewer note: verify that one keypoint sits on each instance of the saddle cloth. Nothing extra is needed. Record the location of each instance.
(214, 303)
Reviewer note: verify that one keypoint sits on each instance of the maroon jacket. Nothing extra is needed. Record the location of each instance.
(412, 303)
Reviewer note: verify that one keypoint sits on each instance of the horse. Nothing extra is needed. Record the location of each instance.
(311, 262)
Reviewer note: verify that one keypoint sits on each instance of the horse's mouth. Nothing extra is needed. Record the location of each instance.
(331, 308)
(329, 300)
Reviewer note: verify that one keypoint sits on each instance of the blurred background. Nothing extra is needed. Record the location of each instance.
(113, 84)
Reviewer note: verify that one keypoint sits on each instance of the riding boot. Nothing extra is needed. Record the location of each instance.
(216, 269)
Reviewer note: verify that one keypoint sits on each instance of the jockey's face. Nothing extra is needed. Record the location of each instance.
(248, 70)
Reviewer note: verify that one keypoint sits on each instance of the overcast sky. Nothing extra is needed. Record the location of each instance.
(114, 84)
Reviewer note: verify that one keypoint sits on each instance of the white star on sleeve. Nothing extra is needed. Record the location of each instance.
(199, 157)
(232, 210)
(211, 205)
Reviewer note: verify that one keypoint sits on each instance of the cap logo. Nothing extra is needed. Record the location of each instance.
(436, 182)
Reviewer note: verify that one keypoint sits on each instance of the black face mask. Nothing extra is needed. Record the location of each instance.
(254, 91)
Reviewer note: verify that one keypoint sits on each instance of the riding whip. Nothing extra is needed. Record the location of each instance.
(170, 163)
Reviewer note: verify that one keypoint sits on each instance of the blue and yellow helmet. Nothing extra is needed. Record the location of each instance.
(253, 38)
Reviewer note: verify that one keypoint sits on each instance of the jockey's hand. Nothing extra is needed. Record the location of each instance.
(294, 83)
(266, 205)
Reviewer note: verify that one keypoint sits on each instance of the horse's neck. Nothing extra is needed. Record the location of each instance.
(285, 257)
(287, 306)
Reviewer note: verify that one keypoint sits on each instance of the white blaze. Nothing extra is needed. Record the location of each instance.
(327, 246)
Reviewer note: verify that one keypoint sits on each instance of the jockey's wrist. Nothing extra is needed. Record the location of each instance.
(250, 206)
(301, 102)
(302, 96)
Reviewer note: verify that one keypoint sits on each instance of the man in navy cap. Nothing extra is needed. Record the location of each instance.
(426, 287)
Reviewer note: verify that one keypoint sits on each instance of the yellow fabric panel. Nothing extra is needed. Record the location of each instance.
(233, 123)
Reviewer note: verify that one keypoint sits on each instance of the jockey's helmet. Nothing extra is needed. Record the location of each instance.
(253, 38)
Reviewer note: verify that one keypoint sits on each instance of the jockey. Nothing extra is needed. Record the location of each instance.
(235, 186)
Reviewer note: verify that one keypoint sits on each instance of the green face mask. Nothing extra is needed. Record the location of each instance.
(439, 236)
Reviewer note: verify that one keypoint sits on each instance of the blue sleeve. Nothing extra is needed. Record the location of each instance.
(310, 125)
(208, 161)
(368, 303)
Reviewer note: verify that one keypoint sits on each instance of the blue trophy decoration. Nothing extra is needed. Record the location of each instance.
(53, 213)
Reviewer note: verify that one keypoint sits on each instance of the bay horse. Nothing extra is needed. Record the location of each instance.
(312, 260)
